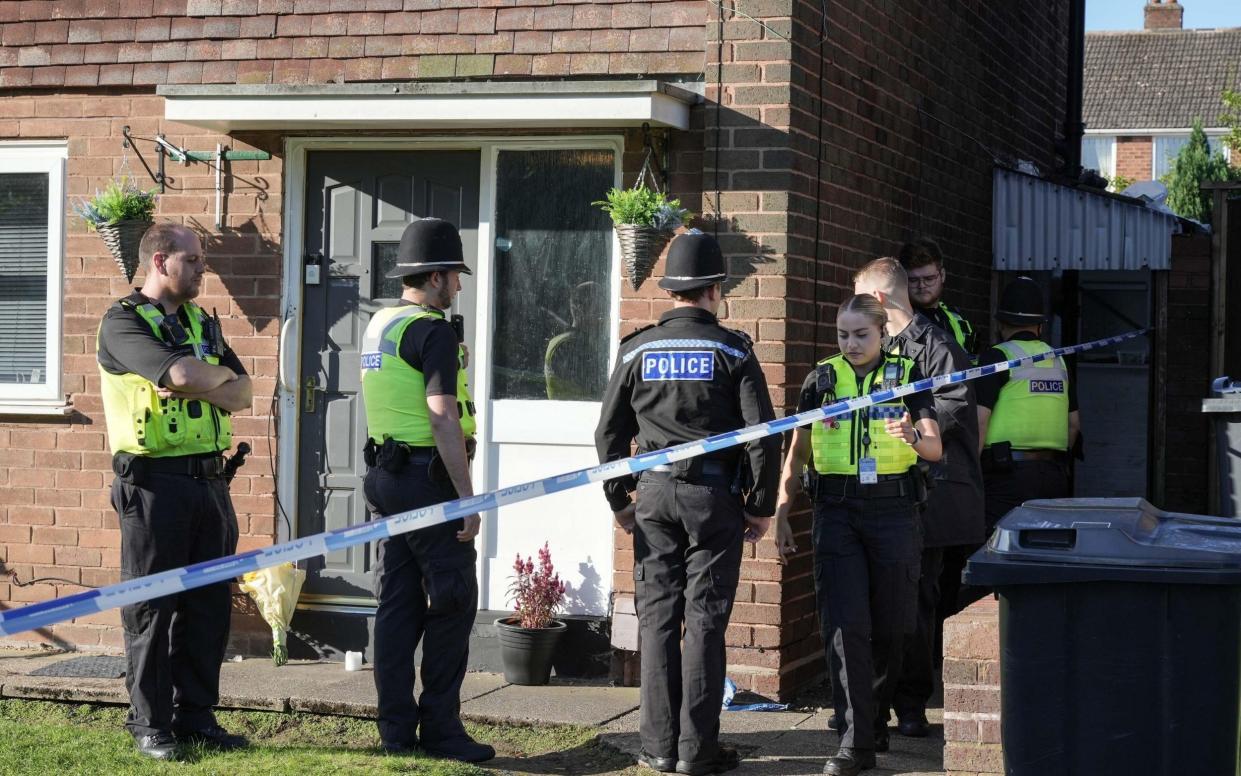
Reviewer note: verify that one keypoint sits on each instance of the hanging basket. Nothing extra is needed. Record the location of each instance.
(122, 239)
(640, 248)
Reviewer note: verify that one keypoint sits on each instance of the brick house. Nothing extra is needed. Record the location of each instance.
(1138, 108)
(810, 136)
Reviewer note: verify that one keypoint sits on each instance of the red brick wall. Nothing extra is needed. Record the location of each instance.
(1133, 157)
(85, 43)
(972, 691)
(55, 517)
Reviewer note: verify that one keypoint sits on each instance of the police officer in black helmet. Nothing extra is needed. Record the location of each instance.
(684, 379)
(420, 420)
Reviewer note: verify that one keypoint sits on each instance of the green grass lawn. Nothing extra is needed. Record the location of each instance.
(38, 737)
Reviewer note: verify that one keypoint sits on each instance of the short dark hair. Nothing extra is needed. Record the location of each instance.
(691, 295)
(160, 237)
(416, 281)
(920, 253)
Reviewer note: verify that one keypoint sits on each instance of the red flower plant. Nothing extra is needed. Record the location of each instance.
(536, 593)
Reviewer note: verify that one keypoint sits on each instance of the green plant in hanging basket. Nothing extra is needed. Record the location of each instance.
(644, 219)
(121, 214)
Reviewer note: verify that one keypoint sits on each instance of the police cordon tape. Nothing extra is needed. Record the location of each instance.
(177, 580)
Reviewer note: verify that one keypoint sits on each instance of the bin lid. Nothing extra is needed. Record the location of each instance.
(1107, 539)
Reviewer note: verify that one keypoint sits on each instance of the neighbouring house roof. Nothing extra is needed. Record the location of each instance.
(1158, 79)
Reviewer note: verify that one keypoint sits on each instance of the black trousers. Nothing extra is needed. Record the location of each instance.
(687, 558)
(428, 592)
(867, 555)
(916, 682)
(174, 645)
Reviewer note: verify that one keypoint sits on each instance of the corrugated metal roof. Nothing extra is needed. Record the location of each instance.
(1040, 225)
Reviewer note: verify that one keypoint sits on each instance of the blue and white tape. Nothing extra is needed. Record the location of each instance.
(177, 580)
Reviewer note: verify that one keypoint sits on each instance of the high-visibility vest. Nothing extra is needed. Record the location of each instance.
(142, 423)
(961, 329)
(394, 392)
(840, 443)
(1032, 411)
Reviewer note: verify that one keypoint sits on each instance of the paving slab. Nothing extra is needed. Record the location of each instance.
(22, 661)
(61, 688)
(556, 703)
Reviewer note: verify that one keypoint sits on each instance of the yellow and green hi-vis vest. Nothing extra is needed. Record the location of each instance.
(839, 443)
(394, 392)
(1032, 411)
(962, 331)
(142, 423)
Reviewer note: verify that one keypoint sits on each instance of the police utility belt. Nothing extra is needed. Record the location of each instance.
(135, 469)
(910, 484)
(1000, 457)
(393, 457)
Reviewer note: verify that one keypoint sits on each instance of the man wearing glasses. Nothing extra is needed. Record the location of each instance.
(924, 262)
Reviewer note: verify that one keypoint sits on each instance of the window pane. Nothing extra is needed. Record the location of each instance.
(553, 255)
(1098, 154)
(383, 287)
(1166, 148)
(23, 277)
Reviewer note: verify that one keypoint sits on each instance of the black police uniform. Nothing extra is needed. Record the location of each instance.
(174, 511)
(425, 580)
(953, 514)
(867, 543)
(684, 379)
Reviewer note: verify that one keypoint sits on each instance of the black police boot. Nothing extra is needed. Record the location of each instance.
(157, 746)
(212, 737)
(661, 764)
(914, 726)
(833, 721)
(399, 749)
(881, 738)
(726, 758)
(850, 762)
(460, 747)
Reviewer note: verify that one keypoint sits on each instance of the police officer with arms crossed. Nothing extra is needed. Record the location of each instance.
(420, 420)
(169, 382)
(953, 513)
(1027, 417)
(684, 379)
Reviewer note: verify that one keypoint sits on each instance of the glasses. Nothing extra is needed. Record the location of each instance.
(926, 280)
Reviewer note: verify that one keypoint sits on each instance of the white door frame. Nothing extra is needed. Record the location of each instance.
(294, 218)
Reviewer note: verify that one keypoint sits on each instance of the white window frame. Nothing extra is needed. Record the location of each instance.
(45, 156)
(1109, 173)
(1214, 136)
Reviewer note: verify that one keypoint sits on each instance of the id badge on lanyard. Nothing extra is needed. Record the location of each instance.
(867, 471)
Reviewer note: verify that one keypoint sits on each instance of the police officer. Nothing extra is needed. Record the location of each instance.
(683, 379)
(864, 486)
(1027, 417)
(924, 263)
(420, 420)
(169, 383)
(953, 513)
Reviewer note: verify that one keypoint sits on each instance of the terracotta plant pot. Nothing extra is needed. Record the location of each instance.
(527, 652)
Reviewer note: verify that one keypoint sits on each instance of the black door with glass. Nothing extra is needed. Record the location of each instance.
(357, 205)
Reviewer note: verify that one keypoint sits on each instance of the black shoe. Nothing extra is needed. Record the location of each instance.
(213, 737)
(833, 722)
(157, 746)
(914, 727)
(398, 749)
(462, 748)
(881, 739)
(726, 758)
(661, 764)
(850, 762)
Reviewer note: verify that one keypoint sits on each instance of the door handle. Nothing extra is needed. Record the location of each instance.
(289, 333)
(309, 389)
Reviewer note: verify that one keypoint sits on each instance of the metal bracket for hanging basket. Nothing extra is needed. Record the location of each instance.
(641, 247)
(122, 239)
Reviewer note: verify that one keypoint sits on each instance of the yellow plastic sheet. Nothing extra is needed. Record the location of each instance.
(275, 591)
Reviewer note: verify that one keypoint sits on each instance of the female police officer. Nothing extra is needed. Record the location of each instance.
(867, 540)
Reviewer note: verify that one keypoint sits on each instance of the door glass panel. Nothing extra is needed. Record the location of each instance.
(553, 256)
(384, 262)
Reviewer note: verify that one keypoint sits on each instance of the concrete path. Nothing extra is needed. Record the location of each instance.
(774, 743)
